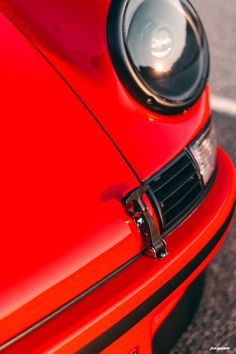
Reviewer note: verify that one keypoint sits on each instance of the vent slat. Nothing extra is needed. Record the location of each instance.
(181, 201)
(163, 181)
(181, 208)
(179, 193)
(175, 183)
(176, 190)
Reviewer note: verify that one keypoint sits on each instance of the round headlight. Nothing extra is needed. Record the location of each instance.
(160, 51)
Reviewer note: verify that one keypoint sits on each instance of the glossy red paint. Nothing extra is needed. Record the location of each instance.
(65, 172)
(59, 167)
(92, 316)
(72, 35)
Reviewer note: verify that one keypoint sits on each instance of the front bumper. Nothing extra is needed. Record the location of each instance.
(123, 314)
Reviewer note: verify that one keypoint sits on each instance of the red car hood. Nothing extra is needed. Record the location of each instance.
(56, 167)
(72, 35)
(61, 220)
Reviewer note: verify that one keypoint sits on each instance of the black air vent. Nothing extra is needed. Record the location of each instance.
(176, 190)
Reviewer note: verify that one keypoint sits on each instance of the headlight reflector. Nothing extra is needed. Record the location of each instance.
(160, 51)
(204, 152)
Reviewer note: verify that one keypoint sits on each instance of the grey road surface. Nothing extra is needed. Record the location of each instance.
(214, 324)
(219, 20)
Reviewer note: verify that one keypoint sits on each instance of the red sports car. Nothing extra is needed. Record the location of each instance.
(114, 195)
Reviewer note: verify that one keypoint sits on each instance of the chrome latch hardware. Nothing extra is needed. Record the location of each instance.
(137, 209)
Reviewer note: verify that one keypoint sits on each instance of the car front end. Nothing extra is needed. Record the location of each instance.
(116, 195)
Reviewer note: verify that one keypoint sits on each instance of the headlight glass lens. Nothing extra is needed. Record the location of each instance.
(204, 152)
(163, 45)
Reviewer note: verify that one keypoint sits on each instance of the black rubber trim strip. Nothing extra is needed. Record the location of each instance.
(126, 323)
(66, 306)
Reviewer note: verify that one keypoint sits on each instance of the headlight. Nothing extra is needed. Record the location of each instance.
(204, 152)
(160, 51)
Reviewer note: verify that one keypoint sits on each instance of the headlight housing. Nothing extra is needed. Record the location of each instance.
(160, 51)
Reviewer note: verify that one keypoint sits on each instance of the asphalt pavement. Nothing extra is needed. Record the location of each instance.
(214, 324)
(219, 20)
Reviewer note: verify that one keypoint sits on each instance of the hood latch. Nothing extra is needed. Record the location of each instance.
(138, 210)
